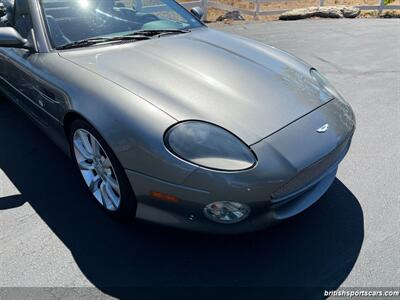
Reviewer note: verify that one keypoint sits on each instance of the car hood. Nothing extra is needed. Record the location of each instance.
(249, 88)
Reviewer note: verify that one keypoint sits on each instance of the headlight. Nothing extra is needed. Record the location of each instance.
(209, 146)
(325, 85)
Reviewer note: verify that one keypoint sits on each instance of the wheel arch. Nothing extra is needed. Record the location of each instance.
(72, 116)
(130, 203)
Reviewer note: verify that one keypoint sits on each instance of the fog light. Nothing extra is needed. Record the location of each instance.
(226, 212)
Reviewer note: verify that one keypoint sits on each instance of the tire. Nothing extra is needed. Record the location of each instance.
(105, 184)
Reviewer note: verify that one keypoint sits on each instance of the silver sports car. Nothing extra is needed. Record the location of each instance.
(170, 121)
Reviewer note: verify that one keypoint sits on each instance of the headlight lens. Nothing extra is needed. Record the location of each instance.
(325, 85)
(226, 212)
(209, 146)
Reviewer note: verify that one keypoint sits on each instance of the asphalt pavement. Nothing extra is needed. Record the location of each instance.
(52, 236)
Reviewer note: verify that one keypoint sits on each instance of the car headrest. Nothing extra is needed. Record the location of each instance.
(21, 7)
(106, 5)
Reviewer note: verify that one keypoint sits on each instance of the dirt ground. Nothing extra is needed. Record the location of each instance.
(214, 13)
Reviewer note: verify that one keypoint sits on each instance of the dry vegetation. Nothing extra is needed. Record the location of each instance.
(213, 13)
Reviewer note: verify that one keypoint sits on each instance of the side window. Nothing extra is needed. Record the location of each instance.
(160, 9)
(22, 18)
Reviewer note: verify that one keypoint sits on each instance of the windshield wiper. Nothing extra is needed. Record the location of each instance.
(136, 35)
(99, 40)
(158, 32)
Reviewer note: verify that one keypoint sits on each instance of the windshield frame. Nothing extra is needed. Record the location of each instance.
(53, 46)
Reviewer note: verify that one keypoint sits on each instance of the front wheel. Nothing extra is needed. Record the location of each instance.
(101, 171)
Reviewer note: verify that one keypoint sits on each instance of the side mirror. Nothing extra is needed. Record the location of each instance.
(10, 38)
(197, 12)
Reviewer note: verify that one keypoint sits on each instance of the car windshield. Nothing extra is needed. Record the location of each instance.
(70, 21)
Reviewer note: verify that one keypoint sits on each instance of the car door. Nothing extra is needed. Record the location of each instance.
(23, 78)
(4, 85)
(31, 91)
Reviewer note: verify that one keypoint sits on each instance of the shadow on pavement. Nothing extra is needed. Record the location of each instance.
(315, 250)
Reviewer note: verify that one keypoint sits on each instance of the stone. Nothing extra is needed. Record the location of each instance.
(350, 11)
(322, 12)
(231, 15)
(391, 14)
(329, 12)
(297, 14)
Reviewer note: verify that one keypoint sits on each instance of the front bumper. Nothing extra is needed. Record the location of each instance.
(188, 212)
(296, 166)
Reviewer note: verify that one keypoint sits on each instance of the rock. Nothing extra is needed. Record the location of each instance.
(350, 11)
(391, 14)
(322, 12)
(231, 15)
(297, 14)
(329, 12)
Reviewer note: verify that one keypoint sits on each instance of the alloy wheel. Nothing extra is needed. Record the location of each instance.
(97, 169)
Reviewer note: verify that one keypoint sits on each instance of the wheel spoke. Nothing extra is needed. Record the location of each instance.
(104, 196)
(113, 183)
(95, 145)
(78, 145)
(113, 197)
(94, 184)
(85, 165)
(108, 196)
(106, 162)
(85, 141)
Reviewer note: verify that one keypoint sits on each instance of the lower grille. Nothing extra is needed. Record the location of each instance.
(312, 173)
